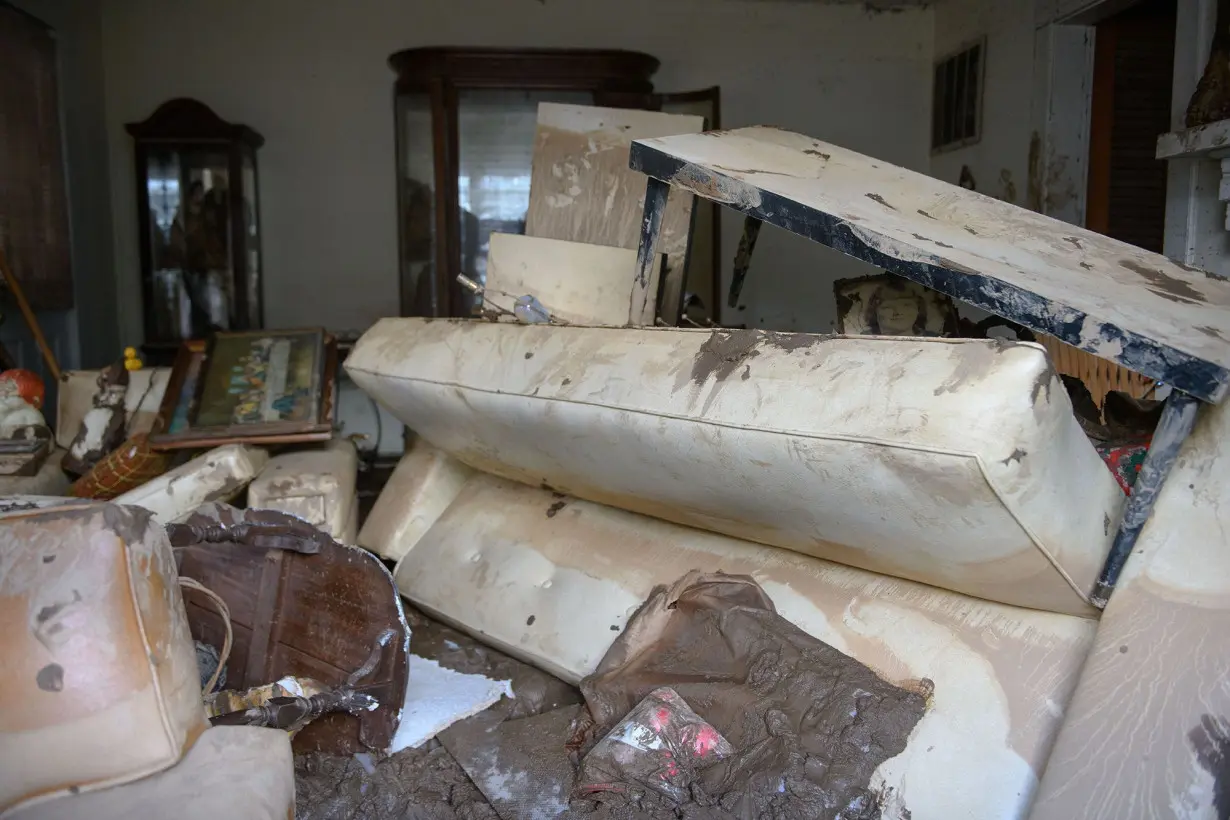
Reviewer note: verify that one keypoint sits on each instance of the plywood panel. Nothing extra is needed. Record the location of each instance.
(577, 282)
(582, 189)
(1099, 375)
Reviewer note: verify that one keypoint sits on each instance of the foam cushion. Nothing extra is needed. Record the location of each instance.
(231, 772)
(553, 580)
(957, 463)
(316, 483)
(422, 486)
(99, 683)
(213, 476)
(1148, 731)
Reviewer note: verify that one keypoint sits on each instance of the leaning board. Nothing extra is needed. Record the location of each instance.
(577, 282)
(582, 189)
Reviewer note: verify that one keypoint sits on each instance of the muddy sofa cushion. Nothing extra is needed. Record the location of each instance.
(956, 463)
(424, 483)
(554, 580)
(217, 475)
(100, 683)
(232, 771)
(316, 483)
(1148, 731)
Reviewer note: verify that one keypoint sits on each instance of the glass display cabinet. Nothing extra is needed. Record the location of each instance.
(466, 120)
(198, 219)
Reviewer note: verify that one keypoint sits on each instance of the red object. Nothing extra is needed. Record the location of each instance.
(1125, 460)
(661, 745)
(29, 386)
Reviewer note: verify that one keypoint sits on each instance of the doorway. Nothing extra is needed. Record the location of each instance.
(1125, 185)
(1132, 86)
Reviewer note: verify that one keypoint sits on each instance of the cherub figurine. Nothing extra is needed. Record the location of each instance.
(15, 412)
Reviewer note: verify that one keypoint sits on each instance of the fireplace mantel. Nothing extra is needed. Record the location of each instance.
(1211, 142)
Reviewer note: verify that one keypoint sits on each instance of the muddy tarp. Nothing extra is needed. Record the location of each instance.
(809, 724)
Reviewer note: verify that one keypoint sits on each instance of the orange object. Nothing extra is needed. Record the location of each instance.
(29, 386)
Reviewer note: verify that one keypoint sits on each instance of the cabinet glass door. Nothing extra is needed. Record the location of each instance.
(192, 280)
(416, 197)
(495, 151)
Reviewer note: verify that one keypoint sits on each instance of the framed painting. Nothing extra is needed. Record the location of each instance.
(256, 387)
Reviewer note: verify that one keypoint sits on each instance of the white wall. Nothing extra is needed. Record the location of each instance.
(1195, 215)
(1000, 160)
(311, 76)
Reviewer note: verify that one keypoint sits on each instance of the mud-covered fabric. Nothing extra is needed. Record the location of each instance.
(809, 724)
(1124, 461)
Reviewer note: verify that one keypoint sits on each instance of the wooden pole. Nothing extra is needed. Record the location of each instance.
(31, 320)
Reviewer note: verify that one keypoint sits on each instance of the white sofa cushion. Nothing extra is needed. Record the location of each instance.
(99, 684)
(316, 484)
(1147, 733)
(957, 463)
(230, 772)
(422, 486)
(217, 475)
(553, 580)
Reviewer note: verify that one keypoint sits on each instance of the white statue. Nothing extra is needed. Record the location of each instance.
(15, 412)
(102, 429)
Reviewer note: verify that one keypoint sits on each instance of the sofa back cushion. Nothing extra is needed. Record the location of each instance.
(956, 463)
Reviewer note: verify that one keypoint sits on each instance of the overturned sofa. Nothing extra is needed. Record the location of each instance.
(929, 507)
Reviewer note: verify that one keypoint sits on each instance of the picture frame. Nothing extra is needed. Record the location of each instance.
(252, 387)
(173, 413)
(889, 305)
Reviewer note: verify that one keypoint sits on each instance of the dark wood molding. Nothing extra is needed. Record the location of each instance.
(185, 126)
(533, 68)
(186, 119)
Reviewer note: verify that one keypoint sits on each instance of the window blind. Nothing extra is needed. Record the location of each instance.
(33, 204)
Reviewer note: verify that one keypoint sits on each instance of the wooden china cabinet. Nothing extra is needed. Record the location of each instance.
(465, 122)
(198, 218)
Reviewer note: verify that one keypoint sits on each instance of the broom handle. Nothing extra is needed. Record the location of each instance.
(31, 321)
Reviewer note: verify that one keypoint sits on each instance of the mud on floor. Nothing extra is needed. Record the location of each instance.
(424, 783)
